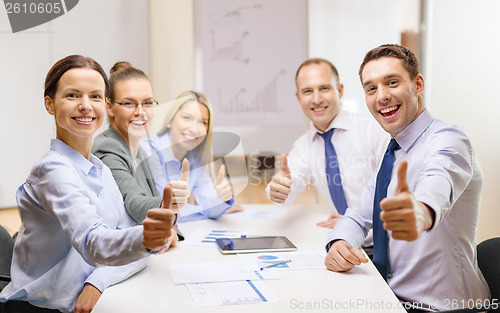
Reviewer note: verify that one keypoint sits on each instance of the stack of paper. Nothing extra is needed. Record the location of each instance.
(223, 283)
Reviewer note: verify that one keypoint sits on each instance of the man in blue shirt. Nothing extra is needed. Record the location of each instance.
(432, 204)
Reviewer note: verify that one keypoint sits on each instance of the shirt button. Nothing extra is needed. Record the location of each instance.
(389, 275)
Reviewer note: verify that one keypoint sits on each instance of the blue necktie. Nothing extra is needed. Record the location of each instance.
(380, 238)
(333, 173)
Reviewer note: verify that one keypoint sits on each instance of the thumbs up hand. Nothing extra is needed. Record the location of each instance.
(280, 185)
(222, 185)
(158, 225)
(180, 189)
(403, 214)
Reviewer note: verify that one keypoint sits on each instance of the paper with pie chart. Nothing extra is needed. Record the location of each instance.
(299, 260)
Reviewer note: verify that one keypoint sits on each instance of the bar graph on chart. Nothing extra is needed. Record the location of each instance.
(264, 100)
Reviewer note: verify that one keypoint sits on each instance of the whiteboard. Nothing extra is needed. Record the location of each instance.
(247, 53)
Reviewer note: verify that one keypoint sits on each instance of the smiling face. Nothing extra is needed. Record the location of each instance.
(188, 128)
(393, 98)
(319, 94)
(78, 106)
(131, 123)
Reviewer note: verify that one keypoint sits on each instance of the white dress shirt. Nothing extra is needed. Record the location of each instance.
(441, 265)
(359, 142)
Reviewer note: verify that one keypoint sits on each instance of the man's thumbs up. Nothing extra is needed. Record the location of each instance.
(284, 166)
(403, 214)
(279, 188)
(222, 185)
(402, 184)
(180, 188)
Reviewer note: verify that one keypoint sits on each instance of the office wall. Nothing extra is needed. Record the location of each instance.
(462, 82)
(107, 31)
(343, 31)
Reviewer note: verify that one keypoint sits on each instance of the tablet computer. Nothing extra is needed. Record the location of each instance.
(254, 244)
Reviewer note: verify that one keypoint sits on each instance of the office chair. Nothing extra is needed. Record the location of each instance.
(6, 250)
(488, 258)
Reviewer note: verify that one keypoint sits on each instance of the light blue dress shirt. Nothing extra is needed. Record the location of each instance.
(443, 172)
(165, 167)
(73, 218)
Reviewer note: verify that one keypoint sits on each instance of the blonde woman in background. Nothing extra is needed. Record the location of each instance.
(186, 133)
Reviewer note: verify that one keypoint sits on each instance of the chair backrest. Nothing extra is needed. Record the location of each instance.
(6, 249)
(488, 258)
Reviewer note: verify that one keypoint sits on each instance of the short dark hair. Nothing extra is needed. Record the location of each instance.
(123, 71)
(66, 64)
(318, 61)
(409, 59)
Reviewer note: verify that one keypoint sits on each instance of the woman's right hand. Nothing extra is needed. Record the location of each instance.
(158, 224)
(180, 189)
(222, 185)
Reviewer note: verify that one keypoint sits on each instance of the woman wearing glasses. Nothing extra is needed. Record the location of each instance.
(186, 133)
(73, 216)
(130, 107)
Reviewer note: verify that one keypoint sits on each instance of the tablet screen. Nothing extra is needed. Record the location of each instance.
(254, 244)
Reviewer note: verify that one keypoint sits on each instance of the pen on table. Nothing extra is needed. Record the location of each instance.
(275, 264)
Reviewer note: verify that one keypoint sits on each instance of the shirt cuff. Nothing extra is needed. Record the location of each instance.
(349, 230)
(330, 244)
(159, 250)
(231, 201)
(97, 282)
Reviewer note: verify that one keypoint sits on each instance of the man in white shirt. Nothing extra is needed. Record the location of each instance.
(358, 141)
(428, 218)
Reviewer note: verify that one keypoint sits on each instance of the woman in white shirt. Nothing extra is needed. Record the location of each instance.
(73, 219)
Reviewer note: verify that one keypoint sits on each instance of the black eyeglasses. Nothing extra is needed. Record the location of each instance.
(146, 105)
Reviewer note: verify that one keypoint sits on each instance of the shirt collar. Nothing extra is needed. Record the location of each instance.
(340, 121)
(79, 160)
(168, 153)
(407, 138)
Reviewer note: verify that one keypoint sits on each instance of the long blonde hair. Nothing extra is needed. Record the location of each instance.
(204, 150)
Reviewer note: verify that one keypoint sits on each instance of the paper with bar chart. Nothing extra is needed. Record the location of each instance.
(205, 236)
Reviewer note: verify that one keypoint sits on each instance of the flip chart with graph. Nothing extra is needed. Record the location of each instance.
(247, 53)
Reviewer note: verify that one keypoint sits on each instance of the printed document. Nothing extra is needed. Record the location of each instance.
(235, 292)
(216, 272)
